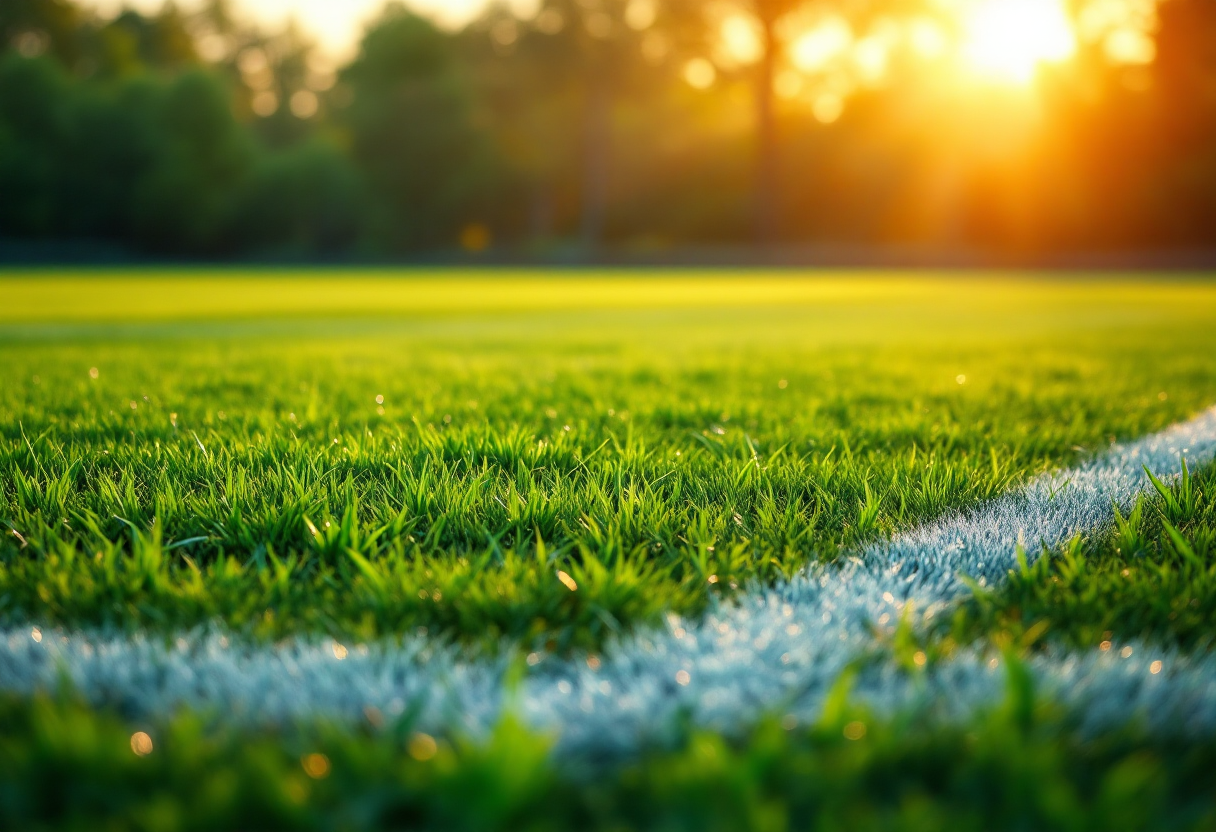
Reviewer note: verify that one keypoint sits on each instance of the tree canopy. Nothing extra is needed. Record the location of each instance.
(632, 123)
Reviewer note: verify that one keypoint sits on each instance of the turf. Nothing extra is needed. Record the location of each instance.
(1018, 766)
(512, 455)
(656, 439)
(1152, 577)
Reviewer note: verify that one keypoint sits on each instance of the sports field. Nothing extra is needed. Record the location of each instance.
(665, 550)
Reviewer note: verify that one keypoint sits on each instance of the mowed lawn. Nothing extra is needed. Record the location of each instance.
(517, 461)
(363, 455)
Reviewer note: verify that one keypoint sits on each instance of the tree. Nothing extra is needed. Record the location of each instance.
(411, 120)
(303, 200)
(202, 156)
(33, 138)
(588, 41)
(768, 13)
(35, 26)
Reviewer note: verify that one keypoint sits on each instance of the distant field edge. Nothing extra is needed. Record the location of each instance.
(34, 296)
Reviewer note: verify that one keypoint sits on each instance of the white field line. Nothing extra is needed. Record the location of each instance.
(780, 649)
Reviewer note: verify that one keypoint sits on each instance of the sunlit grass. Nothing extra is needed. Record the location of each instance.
(1017, 766)
(1151, 577)
(552, 461)
(367, 455)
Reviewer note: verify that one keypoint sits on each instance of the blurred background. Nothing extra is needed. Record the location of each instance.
(818, 131)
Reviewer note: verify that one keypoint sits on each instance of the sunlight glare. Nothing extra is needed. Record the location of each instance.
(814, 50)
(1129, 46)
(640, 15)
(700, 74)
(928, 40)
(742, 42)
(1010, 39)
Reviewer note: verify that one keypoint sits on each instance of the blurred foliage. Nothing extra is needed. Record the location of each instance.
(1020, 766)
(160, 164)
(580, 125)
(411, 121)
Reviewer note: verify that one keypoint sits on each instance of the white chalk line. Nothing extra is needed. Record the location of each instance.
(775, 650)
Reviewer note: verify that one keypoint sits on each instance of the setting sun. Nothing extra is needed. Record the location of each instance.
(1010, 39)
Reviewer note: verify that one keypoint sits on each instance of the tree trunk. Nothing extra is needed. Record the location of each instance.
(765, 197)
(596, 152)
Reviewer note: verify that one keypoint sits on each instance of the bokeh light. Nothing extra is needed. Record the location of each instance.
(1010, 39)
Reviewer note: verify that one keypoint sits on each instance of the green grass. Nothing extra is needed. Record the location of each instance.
(642, 434)
(1152, 577)
(1017, 767)
(728, 425)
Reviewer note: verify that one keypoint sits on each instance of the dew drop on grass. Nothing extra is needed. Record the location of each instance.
(141, 744)
(422, 747)
(315, 766)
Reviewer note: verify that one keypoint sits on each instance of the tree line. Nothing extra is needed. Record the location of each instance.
(643, 124)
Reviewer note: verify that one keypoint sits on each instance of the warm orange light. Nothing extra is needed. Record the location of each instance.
(1010, 39)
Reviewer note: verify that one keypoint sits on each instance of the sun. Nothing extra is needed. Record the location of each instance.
(1010, 39)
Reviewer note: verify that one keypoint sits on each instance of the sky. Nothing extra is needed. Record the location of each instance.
(335, 24)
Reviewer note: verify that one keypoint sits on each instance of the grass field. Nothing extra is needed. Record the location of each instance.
(520, 461)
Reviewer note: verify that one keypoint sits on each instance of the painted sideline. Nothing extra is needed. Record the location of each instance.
(780, 649)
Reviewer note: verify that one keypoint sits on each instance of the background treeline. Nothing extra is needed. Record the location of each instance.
(608, 123)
